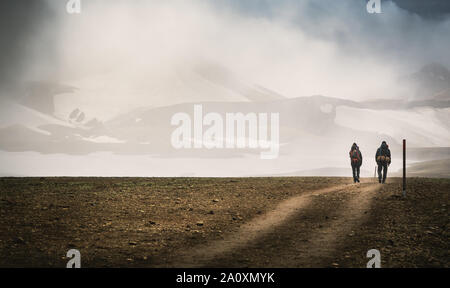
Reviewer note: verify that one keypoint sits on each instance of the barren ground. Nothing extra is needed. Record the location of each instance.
(223, 222)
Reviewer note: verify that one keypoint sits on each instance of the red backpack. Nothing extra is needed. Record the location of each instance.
(355, 156)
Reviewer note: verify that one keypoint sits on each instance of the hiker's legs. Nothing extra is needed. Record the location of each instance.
(380, 167)
(384, 172)
(357, 172)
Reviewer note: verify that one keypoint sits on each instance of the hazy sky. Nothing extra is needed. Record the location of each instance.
(124, 54)
(297, 48)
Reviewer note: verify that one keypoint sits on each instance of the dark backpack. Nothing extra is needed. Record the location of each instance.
(383, 157)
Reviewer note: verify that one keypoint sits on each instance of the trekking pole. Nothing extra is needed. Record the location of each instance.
(375, 174)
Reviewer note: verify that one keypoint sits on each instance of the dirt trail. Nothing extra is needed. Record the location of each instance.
(322, 242)
(319, 249)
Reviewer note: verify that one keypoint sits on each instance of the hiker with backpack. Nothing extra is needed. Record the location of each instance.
(355, 161)
(383, 158)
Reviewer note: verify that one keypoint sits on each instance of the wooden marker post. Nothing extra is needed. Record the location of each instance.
(404, 168)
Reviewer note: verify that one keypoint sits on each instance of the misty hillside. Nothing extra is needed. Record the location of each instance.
(432, 169)
(103, 95)
(316, 132)
(430, 82)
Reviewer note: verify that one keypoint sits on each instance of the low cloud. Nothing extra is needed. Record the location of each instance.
(296, 48)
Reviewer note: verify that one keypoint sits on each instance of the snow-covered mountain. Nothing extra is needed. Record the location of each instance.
(107, 95)
(87, 118)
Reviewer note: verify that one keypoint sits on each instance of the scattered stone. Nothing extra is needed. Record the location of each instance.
(211, 212)
(132, 243)
(19, 240)
(200, 223)
(216, 200)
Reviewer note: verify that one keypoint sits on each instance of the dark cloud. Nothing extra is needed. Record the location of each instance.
(20, 23)
(426, 8)
(397, 35)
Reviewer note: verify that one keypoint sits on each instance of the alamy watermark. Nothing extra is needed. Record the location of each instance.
(375, 261)
(212, 131)
(75, 259)
(373, 6)
(73, 7)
